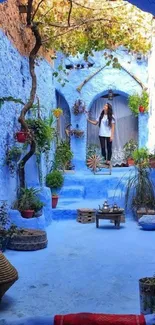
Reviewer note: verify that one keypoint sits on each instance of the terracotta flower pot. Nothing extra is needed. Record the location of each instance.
(54, 201)
(27, 214)
(152, 162)
(130, 162)
(141, 109)
(21, 136)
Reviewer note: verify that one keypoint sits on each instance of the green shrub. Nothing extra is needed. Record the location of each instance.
(54, 180)
(63, 155)
(141, 156)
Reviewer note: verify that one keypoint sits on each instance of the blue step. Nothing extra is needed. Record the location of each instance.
(72, 191)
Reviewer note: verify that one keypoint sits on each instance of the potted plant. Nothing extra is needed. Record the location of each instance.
(63, 156)
(139, 189)
(139, 103)
(54, 180)
(37, 206)
(27, 202)
(141, 157)
(147, 295)
(129, 148)
(79, 107)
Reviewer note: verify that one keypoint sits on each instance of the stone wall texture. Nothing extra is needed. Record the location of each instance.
(15, 81)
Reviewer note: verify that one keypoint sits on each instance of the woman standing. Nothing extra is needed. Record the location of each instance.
(106, 122)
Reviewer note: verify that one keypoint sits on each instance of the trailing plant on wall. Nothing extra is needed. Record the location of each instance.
(43, 133)
(13, 155)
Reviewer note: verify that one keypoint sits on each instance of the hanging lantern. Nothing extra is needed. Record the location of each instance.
(110, 94)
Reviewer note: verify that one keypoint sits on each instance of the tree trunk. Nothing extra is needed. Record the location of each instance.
(30, 102)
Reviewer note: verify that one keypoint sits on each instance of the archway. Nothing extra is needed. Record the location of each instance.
(126, 127)
(65, 119)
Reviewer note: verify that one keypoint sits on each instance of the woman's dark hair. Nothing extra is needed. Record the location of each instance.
(109, 114)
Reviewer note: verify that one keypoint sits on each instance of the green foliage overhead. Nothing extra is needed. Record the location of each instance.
(82, 26)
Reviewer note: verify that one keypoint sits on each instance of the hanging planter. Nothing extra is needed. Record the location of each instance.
(21, 136)
(77, 133)
(79, 107)
(141, 109)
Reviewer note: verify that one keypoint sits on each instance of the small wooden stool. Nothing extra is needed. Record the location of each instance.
(85, 215)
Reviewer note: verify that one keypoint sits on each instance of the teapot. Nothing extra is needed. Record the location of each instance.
(105, 206)
(115, 207)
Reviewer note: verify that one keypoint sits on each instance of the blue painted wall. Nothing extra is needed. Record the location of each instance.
(15, 81)
(108, 78)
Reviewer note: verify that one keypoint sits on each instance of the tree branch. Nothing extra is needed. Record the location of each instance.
(29, 12)
(70, 11)
(39, 4)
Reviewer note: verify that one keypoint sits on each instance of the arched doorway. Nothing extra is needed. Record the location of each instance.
(126, 127)
(65, 119)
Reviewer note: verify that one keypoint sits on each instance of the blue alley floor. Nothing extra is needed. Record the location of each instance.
(83, 269)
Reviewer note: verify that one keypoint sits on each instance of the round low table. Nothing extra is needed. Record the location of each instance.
(110, 215)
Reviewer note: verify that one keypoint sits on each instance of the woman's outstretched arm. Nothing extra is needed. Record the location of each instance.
(90, 121)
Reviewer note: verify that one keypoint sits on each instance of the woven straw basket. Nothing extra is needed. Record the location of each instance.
(8, 275)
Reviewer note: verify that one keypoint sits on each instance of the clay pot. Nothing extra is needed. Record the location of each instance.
(54, 201)
(147, 295)
(141, 109)
(130, 162)
(152, 162)
(21, 136)
(27, 214)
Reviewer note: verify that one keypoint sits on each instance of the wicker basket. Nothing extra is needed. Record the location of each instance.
(8, 275)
